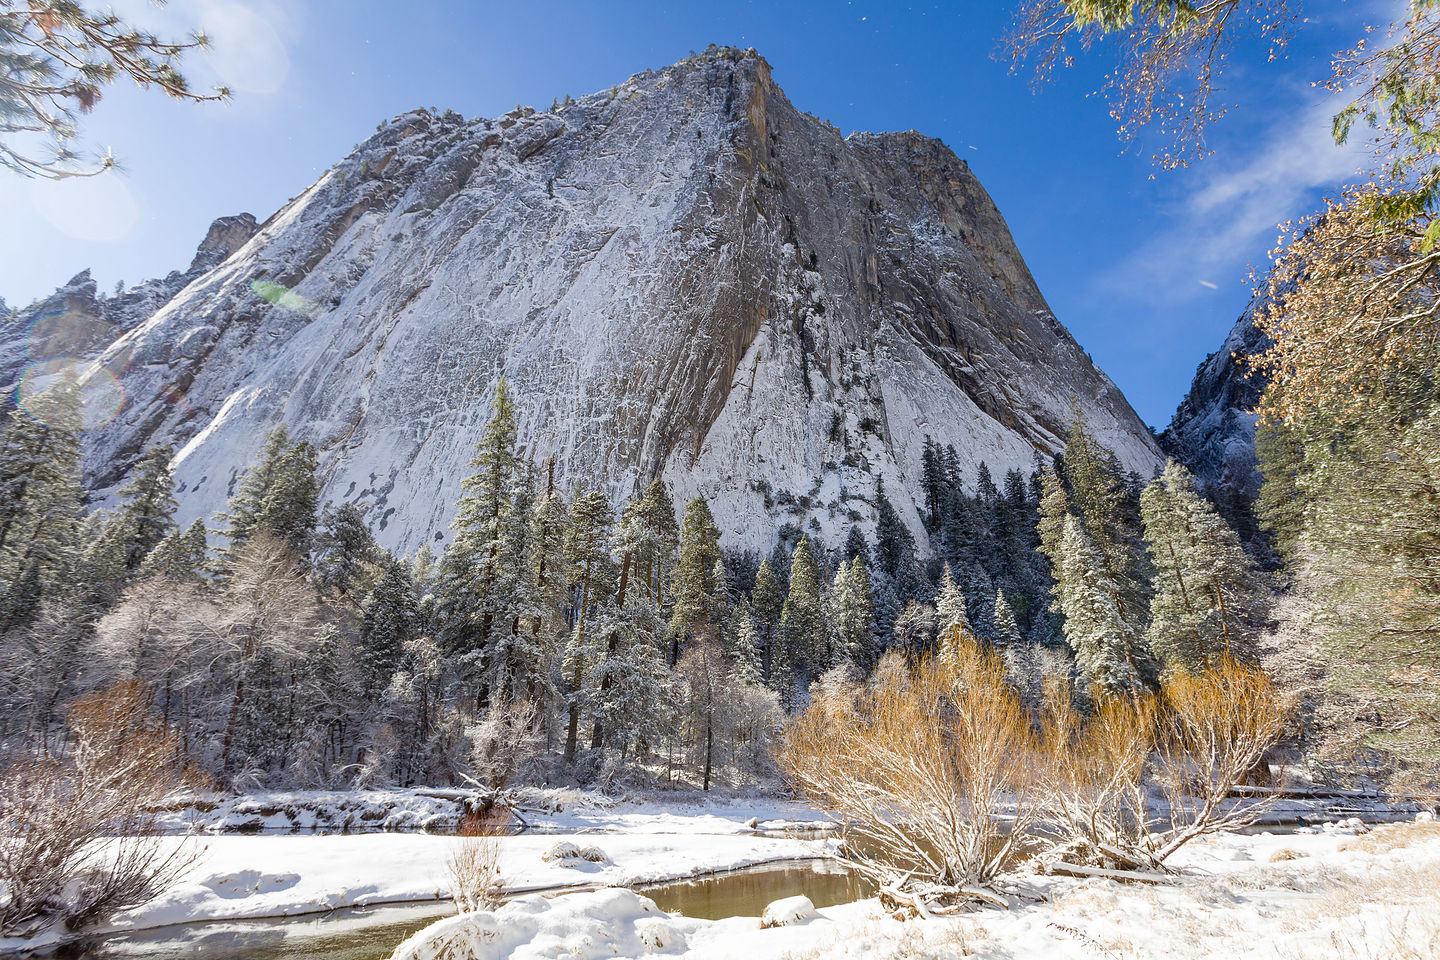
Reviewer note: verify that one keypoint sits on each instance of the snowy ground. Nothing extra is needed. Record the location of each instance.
(270, 875)
(1337, 893)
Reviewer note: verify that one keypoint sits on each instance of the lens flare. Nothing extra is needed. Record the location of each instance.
(64, 390)
(68, 334)
(282, 296)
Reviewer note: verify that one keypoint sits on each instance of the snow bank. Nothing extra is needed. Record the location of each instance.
(1341, 893)
(603, 924)
(788, 912)
(244, 877)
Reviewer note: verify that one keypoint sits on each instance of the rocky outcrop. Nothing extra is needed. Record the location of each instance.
(74, 323)
(684, 276)
(1213, 430)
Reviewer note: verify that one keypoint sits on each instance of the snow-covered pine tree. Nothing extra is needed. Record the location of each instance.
(802, 620)
(180, 556)
(98, 575)
(278, 496)
(1208, 595)
(521, 661)
(856, 547)
(347, 558)
(895, 554)
(41, 499)
(1107, 507)
(723, 599)
(693, 581)
(854, 624)
(472, 579)
(1095, 626)
(627, 693)
(390, 620)
(546, 567)
(767, 601)
(950, 608)
(648, 532)
(1006, 630)
(147, 506)
(744, 645)
(587, 553)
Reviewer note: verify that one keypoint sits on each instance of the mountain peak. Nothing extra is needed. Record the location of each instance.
(682, 277)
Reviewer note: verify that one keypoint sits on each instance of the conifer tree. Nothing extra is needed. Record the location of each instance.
(856, 548)
(147, 511)
(1095, 627)
(474, 574)
(41, 499)
(694, 586)
(1208, 595)
(802, 620)
(950, 609)
(98, 574)
(855, 616)
(20, 601)
(546, 560)
(1007, 631)
(180, 556)
(744, 645)
(519, 668)
(347, 557)
(279, 496)
(390, 620)
(587, 551)
(767, 601)
(1106, 506)
(895, 549)
(648, 532)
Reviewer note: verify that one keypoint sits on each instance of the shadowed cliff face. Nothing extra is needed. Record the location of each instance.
(684, 276)
(1213, 430)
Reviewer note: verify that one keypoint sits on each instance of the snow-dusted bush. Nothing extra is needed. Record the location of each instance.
(930, 770)
(565, 850)
(473, 867)
(1196, 740)
(78, 833)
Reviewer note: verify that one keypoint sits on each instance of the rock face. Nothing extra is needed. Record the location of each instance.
(1213, 430)
(683, 276)
(74, 323)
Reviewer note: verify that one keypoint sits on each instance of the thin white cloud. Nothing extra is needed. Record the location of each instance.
(1228, 222)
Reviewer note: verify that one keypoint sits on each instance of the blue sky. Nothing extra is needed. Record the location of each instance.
(1148, 269)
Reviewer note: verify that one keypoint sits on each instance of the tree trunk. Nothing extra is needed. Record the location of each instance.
(709, 748)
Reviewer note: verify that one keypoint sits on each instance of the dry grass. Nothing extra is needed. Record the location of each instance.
(881, 940)
(473, 866)
(1408, 930)
(1393, 836)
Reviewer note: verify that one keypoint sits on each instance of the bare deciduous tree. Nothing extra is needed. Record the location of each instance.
(79, 833)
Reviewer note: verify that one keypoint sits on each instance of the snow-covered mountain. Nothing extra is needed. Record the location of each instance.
(1213, 430)
(682, 276)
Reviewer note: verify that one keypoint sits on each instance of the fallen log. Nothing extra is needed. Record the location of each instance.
(1081, 870)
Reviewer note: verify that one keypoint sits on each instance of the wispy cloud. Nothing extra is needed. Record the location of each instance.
(1227, 222)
